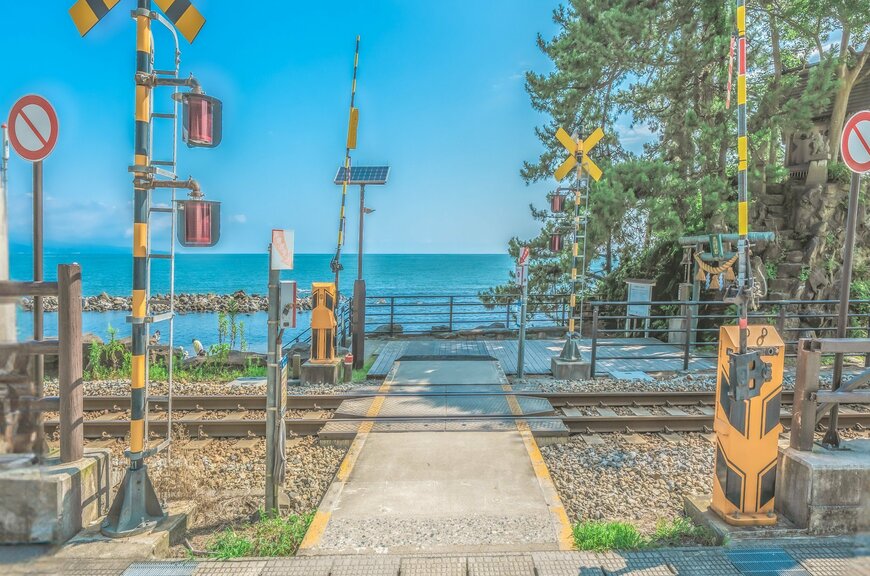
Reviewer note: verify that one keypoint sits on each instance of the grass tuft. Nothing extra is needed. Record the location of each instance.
(681, 531)
(601, 536)
(272, 536)
(360, 373)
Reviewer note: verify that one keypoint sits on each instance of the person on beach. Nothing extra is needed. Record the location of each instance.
(197, 348)
(152, 342)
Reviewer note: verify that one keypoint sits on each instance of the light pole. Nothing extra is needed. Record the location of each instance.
(361, 176)
(7, 311)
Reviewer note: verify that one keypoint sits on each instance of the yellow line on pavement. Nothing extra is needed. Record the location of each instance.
(551, 496)
(321, 517)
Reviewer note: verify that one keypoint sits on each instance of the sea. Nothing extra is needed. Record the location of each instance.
(385, 274)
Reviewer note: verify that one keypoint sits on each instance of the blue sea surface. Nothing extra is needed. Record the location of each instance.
(385, 274)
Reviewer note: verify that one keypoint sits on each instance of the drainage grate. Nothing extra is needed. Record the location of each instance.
(160, 569)
(766, 562)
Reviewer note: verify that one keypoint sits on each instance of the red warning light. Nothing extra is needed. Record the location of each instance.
(198, 223)
(555, 242)
(202, 120)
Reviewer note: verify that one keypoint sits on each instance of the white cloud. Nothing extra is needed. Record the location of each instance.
(239, 218)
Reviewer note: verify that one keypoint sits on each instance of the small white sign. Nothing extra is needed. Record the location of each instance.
(522, 275)
(281, 257)
(855, 143)
(639, 292)
(524, 256)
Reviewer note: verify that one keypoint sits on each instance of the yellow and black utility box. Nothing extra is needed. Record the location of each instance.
(322, 322)
(747, 428)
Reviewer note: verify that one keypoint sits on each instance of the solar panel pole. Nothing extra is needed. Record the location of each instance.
(358, 337)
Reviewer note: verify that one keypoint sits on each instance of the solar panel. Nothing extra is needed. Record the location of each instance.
(364, 175)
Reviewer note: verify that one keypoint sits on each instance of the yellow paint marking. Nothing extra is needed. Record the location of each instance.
(593, 139)
(542, 473)
(140, 240)
(137, 435)
(743, 218)
(137, 371)
(83, 17)
(741, 89)
(190, 23)
(138, 310)
(565, 139)
(566, 167)
(321, 517)
(741, 20)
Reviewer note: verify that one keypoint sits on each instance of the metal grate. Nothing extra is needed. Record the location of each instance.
(766, 562)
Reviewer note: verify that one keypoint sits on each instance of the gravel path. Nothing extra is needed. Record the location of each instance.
(246, 387)
(227, 482)
(637, 483)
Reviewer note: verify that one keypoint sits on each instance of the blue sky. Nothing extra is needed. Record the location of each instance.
(440, 92)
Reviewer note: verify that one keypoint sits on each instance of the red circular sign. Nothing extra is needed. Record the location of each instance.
(33, 127)
(855, 143)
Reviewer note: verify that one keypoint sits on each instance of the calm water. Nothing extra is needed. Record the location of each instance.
(386, 274)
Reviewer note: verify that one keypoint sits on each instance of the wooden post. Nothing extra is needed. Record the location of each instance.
(69, 329)
(594, 350)
(803, 422)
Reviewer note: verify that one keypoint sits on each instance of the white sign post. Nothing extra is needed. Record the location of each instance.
(855, 148)
(523, 282)
(639, 296)
(33, 130)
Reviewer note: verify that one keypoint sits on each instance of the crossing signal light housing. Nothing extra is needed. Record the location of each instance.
(199, 222)
(557, 202)
(201, 120)
(555, 242)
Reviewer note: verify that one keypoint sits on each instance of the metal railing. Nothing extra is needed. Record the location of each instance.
(20, 408)
(811, 404)
(424, 314)
(689, 331)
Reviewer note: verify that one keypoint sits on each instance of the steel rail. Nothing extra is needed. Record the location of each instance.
(238, 428)
(332, 401)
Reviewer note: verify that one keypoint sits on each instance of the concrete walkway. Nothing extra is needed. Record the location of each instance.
(806, 557)
(454, 490)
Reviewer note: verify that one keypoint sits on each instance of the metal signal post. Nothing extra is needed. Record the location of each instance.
(750, 367)
(585, 168)
(353, 122)
(136, 507)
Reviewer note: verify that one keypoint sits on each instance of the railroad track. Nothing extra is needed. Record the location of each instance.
(332, 401)
(603, 421)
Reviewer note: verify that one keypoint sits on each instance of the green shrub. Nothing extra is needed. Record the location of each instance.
(607, 536)
(273, 535)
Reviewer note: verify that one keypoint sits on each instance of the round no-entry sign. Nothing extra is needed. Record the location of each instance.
(855, 145)
(33, 127)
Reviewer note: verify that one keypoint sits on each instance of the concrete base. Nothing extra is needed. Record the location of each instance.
(697, 507)
(40, 503)
(91, 544)
(570, 369)
(826, 491)
(321, 373)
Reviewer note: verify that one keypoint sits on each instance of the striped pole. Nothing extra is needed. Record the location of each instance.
(575, 248)
(742, 166)
(136, 507)
(142, 158)
(351, 143)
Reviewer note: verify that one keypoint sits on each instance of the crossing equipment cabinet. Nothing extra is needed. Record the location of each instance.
(747, 426)
(322, 323)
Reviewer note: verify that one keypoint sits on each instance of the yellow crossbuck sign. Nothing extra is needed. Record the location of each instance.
(578, 148)
(185, 16)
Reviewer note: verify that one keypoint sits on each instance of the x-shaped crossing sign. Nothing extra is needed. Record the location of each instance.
(578, 149)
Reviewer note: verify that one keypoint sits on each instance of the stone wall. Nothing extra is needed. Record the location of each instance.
(809, 222)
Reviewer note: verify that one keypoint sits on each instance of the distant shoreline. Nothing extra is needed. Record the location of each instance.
(239, 301)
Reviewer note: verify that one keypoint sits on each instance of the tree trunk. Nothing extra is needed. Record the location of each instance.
(841, 102)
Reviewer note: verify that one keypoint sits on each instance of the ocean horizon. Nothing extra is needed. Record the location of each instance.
(385, 275)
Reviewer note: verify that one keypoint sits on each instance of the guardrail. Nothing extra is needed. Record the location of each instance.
(423, 314)
(16, 409)
(811, 404)
(693, 327)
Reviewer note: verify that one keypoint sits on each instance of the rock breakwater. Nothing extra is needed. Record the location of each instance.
(239, 301)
